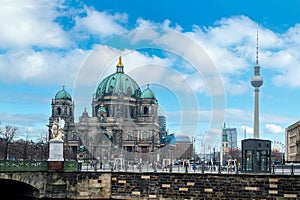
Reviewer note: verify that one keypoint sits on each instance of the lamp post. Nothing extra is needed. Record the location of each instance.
(194, 149)
(42, 150)
(8, 152)
(171, 159)
(31, 149)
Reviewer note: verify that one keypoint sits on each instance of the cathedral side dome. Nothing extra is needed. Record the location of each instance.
(148, 94)
(118, 84)
(63, 94)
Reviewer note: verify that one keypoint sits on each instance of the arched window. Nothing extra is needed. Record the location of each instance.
(146, 110)
(59, 111)
(107, 111)
(74, 136)
(131, 111)
(144, 136)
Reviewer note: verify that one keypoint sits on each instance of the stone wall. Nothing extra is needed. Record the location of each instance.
(164, 186)
(203, 186)
(82, 185)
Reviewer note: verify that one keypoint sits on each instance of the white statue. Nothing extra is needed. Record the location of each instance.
(56, 131)
(61, 122)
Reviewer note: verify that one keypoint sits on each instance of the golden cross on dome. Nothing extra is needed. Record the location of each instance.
(120, 62)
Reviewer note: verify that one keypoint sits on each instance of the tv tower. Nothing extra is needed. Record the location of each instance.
(256, 82)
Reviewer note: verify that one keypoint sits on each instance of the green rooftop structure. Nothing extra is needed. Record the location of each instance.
(63, 94)
(118, 83)
(148, 94)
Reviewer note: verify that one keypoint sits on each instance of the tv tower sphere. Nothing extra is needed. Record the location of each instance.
(257, 80)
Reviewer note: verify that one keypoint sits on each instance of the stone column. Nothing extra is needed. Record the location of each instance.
(56, 158)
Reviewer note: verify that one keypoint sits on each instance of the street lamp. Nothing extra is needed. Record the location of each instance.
(42, 150)
(8, 152)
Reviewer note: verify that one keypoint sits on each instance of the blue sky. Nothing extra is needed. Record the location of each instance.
(169, 44)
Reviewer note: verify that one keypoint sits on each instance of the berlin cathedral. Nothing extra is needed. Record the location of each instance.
(124, 122)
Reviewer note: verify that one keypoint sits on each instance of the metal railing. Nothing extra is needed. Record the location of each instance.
(33, 165)
(96, 166)
(289, 169)
(73, 166)
(28, 165)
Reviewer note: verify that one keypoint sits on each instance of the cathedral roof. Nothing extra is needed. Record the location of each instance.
(118, 83)
(148, 94)
(63, 94)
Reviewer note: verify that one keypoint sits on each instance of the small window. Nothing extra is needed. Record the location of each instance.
(146, 110)
(59, 111)
(74, 136)
(131, 111)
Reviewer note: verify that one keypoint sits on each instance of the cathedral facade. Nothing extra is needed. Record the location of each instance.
(124, 122)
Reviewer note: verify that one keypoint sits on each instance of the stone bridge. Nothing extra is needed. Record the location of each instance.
(56, 185)
(151, 185)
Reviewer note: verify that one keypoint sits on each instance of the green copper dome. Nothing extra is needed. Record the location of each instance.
(148, 94)
(63, 94)
(118, 84)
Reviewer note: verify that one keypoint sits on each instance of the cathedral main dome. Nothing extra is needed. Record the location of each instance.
(118, 84)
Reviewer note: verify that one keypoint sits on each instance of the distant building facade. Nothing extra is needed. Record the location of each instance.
(292, 143)
(183, 148)
(229, 141)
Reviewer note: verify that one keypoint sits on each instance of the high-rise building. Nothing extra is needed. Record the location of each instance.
(162, 123)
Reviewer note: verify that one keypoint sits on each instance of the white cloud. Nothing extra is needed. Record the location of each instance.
(228, 43)
(41, 67)
(236, 87)
(238, 116)
(231, 42)
(22, 119)
(29, 22)
(246, 130)
(100, 24)
(166, 24)
(273, 128)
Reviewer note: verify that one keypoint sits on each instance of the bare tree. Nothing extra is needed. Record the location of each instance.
(7, 134)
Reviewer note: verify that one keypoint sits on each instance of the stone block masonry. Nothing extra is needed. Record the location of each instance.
(167, 186)
(162, 186)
